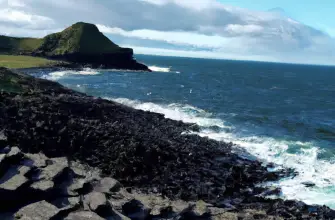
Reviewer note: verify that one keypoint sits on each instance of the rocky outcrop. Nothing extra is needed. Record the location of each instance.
(105, 198)
(145, 166)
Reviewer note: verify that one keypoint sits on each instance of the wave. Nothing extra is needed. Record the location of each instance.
(160, 69)
(267, 149)
(60, 74)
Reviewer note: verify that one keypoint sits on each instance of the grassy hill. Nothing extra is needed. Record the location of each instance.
(81, 43)
(79, 38)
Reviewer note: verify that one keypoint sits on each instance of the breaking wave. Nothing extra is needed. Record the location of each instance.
(60, 74)
(160, 69)
(310, 168)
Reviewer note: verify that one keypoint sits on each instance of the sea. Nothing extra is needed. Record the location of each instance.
(279, 113)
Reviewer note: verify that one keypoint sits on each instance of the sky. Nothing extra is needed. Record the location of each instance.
(263, 30)
(316, 13)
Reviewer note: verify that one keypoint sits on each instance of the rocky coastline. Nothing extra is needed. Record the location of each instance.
(67, 155)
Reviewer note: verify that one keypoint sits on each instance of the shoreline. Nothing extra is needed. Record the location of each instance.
(144, 151)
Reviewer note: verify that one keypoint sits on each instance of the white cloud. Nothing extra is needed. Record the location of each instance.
(199, 54)
(180, 38)
(16, 3)
(205, 27)
(244, 29)
(21, 17)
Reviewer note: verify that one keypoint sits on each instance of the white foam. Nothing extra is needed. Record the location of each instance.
(160, 69)
(60, 74)
(185, 113)
(305, 161)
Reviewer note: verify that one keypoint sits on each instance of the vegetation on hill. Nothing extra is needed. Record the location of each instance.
(20, 62)
(10, 45)
(80, 38)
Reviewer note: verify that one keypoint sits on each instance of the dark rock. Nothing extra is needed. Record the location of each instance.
(37, 211)
(7, 216)
(3, 139)
(83, 215)
(308, 184)
(226, 204)
(135, 210)
(14, 156)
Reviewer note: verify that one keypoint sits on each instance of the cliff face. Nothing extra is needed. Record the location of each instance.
(82, 43)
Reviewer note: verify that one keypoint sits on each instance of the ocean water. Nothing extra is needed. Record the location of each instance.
(279, 113)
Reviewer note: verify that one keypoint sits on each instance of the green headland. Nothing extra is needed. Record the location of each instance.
(80, 44)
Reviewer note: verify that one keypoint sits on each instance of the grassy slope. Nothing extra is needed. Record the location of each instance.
(81, 38)
(17, 45)
(17, 62)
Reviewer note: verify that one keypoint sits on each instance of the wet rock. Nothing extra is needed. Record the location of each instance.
(135, 210)
(37, 211)
(83, 215)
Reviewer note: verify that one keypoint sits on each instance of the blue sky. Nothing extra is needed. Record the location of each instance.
(316, 13)
(220, 29)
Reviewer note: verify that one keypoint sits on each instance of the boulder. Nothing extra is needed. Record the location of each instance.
(37, 211)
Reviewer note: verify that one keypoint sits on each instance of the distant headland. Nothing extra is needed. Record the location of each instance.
(81, 44)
